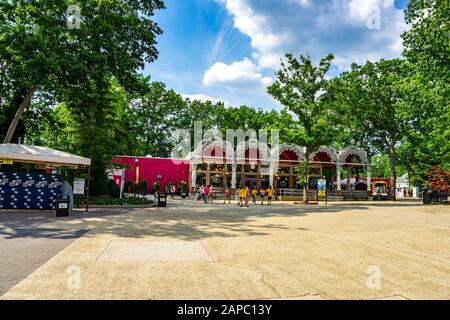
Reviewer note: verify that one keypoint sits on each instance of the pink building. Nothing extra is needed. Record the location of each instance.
(163, 170)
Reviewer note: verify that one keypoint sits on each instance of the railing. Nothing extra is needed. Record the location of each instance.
(435, 197)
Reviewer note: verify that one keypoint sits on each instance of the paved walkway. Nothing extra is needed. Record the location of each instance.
(24, 246)
(360, 250)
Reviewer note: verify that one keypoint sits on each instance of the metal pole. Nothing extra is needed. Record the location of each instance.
(88, 183)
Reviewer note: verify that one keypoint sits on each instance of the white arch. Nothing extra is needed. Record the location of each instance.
(328, 150)
(296, 149)
(361, 153)
(207, 146)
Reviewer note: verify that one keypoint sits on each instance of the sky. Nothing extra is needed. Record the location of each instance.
(229, 50)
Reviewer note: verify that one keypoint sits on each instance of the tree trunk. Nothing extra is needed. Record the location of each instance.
(15, 121)
(305, 185)
(392, 173)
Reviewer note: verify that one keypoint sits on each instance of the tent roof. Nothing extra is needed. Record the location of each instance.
(35, 154)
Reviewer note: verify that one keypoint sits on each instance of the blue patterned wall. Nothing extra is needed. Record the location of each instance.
(25, 190)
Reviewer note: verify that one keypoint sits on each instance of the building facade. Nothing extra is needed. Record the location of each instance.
(216, 167)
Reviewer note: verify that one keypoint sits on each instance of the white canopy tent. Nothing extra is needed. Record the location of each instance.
(42, 155)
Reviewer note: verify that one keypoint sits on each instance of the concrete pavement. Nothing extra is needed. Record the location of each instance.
(363, 250)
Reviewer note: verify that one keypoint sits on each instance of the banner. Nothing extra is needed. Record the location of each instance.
(322, 187)
(78, 186)
(4, 161)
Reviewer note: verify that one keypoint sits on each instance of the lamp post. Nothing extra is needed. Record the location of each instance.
(136, 175)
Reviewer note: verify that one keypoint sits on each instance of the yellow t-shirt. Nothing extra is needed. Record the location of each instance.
(263, 192)
(269, 192)
(242, 193)
(254, 192)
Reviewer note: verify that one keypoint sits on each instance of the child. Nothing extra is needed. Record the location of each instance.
(269, 196)
(205, 193)
(263, 195)
(173, 189)
(247, 195)
(227, 195)
(211, 194)
(241, 197)
(254, 193)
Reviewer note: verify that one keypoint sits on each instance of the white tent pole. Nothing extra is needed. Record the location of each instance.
(88, 182)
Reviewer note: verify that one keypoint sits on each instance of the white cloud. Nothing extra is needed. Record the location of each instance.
(257, 26)
(200, 97)
(317, 28)
(237, 74)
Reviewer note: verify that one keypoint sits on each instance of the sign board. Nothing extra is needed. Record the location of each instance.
(62, 205)
(322, 187)
(4, 161)
(78, 186)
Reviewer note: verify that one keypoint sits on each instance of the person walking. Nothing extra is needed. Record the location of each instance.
(241, 197)
(173, 189)
(254, 193)
(227, 195)
(263, 195)
(269, 196)
(247, 195)
(205, 193)
(211, 194)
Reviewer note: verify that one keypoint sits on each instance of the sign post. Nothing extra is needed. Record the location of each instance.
(79, 186)
(322, 189)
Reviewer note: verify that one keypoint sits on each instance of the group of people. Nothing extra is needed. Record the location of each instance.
(245, 192)
(204, 193)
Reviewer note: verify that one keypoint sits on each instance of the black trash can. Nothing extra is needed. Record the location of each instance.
(62, 205)
(162, 199)
(183, 194)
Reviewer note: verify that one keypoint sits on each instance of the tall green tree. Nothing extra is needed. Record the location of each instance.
(299, 88)
(156, 116)
(427, 42)
(372, 96)
(40, 51)
(427, 47)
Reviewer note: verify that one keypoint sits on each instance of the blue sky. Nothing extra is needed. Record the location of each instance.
(228, 50)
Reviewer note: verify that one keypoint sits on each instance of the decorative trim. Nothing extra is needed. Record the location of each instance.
(328, 150)
(361, 153)
(289, 147)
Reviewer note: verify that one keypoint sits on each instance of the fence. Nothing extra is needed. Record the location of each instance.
(435, 198)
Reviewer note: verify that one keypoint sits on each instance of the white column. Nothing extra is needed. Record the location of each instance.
(271, 171)
(193, 177)
(338, 177)
(369, 177)
(233, 176)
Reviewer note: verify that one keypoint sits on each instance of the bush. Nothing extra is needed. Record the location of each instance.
(113, 190)
(168, 186)
(142, 187)
(156, 186)
(129, 186)
(438, 179)
(182, 186)
(105, 200)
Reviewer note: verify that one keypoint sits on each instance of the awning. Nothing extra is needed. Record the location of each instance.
(40, 155)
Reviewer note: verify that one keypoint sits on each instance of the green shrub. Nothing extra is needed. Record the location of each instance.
(129, 186)
(156, 186)
(142, 187)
